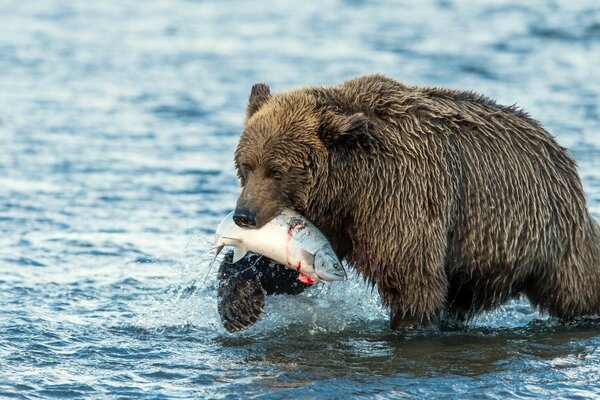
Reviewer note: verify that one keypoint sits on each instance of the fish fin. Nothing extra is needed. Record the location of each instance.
(217, 250)
(308, 256)
(231, 241)
(238, 253)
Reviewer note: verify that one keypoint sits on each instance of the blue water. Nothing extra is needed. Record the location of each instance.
(118, 122)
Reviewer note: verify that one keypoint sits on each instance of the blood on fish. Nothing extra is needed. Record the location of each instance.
(302, 277)
(306, 279)
(293, 226)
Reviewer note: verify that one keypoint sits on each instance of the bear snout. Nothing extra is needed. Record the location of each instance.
(244, 218)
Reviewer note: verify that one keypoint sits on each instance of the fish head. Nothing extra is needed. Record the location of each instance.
(328, 267)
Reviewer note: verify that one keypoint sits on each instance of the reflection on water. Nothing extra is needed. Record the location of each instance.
(118, 127)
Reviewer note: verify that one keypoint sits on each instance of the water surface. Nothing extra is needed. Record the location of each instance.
(118, 122)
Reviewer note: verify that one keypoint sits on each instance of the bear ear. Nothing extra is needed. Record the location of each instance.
(259, 94)
(342, 128)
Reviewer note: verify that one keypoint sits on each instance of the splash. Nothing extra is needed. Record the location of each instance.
(189, 299)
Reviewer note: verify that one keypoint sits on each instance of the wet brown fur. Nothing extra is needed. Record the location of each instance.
(450, 203)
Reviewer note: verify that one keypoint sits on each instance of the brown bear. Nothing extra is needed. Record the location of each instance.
(448, 202)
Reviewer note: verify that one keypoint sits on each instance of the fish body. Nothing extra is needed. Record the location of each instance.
(289, 239)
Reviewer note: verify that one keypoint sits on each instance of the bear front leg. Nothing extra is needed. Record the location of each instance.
(411, 278)
(415, 307)
(244, 284)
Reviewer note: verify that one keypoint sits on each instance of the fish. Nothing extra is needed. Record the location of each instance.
(289, 239)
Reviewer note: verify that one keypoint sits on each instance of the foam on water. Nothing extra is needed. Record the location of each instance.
(188, 299)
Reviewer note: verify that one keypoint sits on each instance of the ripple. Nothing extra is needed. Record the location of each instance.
(25, 261)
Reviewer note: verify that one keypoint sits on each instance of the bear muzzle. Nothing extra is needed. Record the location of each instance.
(244, 218)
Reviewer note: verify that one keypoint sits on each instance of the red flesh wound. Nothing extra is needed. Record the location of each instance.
(306, 279)
(302, 278)
(290, 233)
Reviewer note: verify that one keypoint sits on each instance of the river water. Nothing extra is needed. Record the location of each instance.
(118, 122)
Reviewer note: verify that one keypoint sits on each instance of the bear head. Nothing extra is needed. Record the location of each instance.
(284, 150)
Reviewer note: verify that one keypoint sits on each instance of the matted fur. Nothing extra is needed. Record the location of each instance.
(448, 202)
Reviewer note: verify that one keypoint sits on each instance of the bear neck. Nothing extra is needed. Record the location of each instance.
(334, 201)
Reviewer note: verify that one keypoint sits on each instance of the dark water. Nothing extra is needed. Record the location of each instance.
(118, 122)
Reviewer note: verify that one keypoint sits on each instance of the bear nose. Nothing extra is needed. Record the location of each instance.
(244, 218)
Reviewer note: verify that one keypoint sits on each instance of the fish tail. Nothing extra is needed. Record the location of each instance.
(217, 251)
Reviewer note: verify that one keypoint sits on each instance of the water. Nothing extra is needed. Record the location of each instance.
(118, 122)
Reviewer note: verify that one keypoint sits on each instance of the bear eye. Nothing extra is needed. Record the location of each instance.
(246, 168)
(277, 175)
